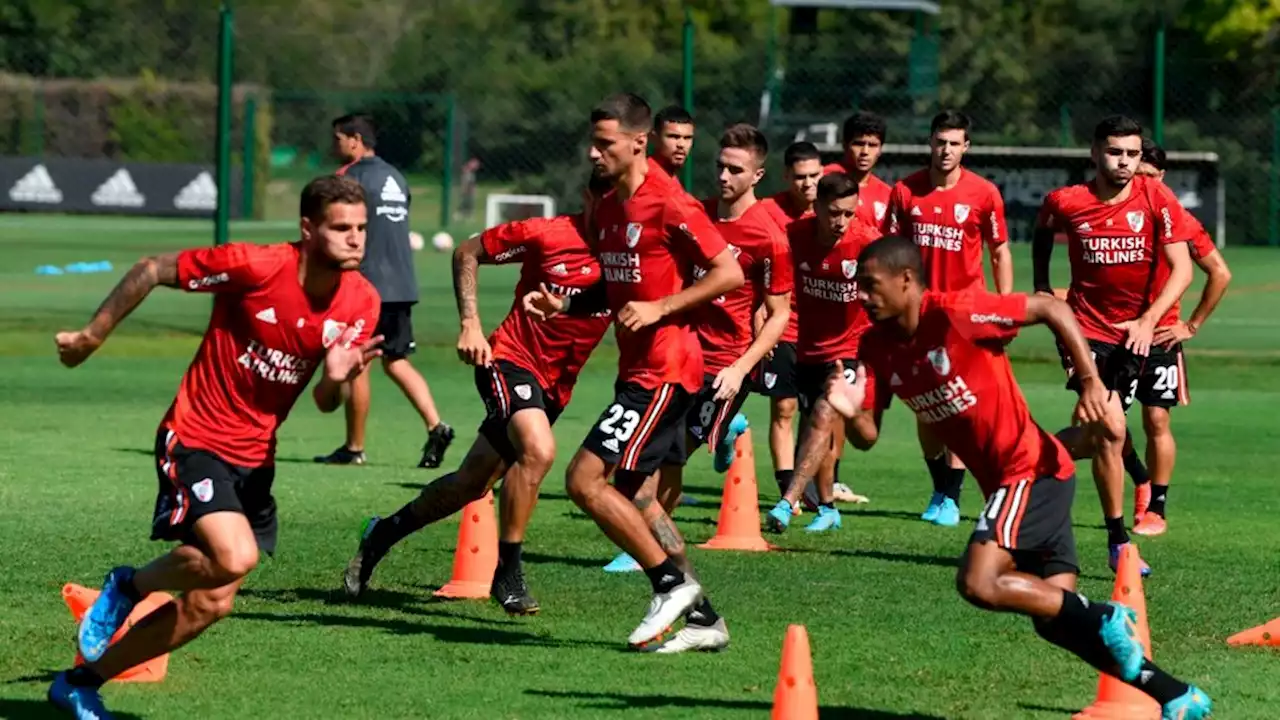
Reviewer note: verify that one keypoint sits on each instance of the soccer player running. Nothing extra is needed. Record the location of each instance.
(730, 348)
(863, 139)
(802, 165)
(951, 214)
(674, 128)
(652, 236)
(824, 253)
(1152, 491)
(943, 354)
(525, 373)
(388, 264)
(1118, 226)
(279, 312)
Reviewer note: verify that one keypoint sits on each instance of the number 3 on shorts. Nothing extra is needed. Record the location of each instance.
(629, 419)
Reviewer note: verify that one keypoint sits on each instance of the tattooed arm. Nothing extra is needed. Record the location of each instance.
(473, 347)
(76, 347)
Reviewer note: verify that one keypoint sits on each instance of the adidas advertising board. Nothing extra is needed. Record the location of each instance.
(108, 187)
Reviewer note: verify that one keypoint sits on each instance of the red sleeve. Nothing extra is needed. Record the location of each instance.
(980, 315)
(690, 232)
(1202, 244)
(234, 267)
(879, 394)
(1050, 212)
(367, 311)
(508, 242)
(779, 276)
(1171, 218)
(994, 229)
(897, 208)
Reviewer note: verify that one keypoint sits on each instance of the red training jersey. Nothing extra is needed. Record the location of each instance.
(1201, 246)
(264, 341)
(782, 208)
(724, 326)
(950, 226)
(827, 293)
(873, 197)
(954, 374)
(552, 251)
(648, 247)
(1113, 250)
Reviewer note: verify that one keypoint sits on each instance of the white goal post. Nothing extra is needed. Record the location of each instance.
(494, 203)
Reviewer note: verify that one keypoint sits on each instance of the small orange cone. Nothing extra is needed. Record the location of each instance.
(739, 524)
(1116, 699)
(476, 557)
(796, 696)
(1267, 634)
(79, 599)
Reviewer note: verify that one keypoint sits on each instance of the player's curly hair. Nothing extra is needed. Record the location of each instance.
(328, 190)
(863, 124)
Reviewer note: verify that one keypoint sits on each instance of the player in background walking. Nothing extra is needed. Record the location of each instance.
(951, 214)
(279, 311)
(388, 264)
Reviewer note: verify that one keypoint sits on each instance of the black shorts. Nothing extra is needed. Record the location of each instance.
(642, 430)
(195, 483)
(811, 380)
(396, 329)
(1032, 520)
(506, 389)
(777, 374)
(1158, 380)
(708, 418)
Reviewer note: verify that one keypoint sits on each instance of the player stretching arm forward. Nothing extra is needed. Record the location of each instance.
(278, 312)
(943, 355)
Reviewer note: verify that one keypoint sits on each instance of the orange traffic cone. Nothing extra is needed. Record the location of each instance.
(476, 557)
(1266, 634)
(79, 599)
(796, 696)
(1116, 699)
(739, 524)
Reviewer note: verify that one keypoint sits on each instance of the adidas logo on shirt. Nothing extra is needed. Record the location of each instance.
(559, 269)
(894, 380)
(916, 211)
(199, 194)
(1084, 227)
(267, 316)
(35, 187)
(118, 191)
(804, 266)
(391, 191)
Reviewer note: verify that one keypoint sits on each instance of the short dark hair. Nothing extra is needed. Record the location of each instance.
(861, 124)
(672, 114)
(950, 120)
(836, 186)
(358, 125)
(1116, 126)
(746, 137)
(1153, 154)
(328, 190)
(893, 253)
(799, 152)
(630, 110)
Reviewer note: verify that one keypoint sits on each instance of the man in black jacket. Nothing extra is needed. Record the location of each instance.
(388, 264)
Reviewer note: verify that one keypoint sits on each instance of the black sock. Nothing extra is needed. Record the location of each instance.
(1159, 684)
(830, 505)
(938, 470)
(665, 576)
(509, 554)
(1116, 533)
(1075, 630)
(955, 481)
(1133, 465)
(835, 472)
(702, 614)
(784, 480)
(389, 531)
(84, 677)
(1159, 494)
(130, 590)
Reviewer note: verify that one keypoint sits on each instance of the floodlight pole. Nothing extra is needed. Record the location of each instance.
(226, 45)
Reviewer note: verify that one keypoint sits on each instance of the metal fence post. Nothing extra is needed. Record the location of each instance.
(226, 47)
(248, 156)
(1273, 201)
(1157, 102)
(687, 73)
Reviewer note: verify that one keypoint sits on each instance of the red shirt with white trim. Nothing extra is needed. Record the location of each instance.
(264, 341)
(873, 197)
(784, 212)
(827, 292)
(950, 225)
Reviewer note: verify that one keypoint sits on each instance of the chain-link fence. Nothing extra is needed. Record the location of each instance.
(474, 98)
